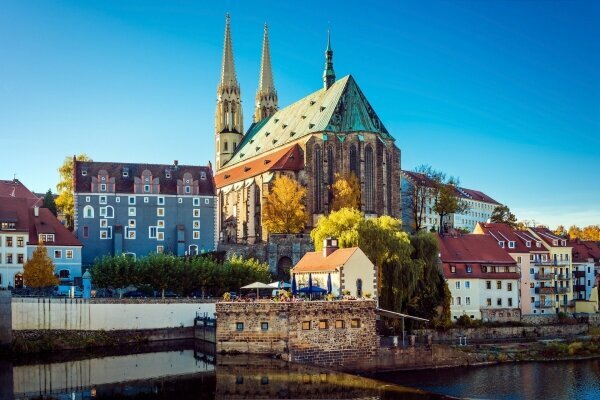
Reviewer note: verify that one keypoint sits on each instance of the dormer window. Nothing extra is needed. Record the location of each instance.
(453, 268)
(528, 243)
(147, 188)
(125, 172)
(103, 187)
(103, 178)
(167, 173)
(469, 268)
(564, 242)
(511, 245)
(538, 244)
(501, 243)
(83, 172)
(555, 242)
(188, 190)
(202, 175)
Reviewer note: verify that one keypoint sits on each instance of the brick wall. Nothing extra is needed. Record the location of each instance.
(304, 332)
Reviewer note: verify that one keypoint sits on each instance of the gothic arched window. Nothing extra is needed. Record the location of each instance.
(354, 164)
(330, 165)
(318, 179)
(369, 180)
(388, 164)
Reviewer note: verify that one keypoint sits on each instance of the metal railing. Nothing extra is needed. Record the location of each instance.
(563, 290)
(563, 276)
(544, 277)
(545, 290)
(545, 304)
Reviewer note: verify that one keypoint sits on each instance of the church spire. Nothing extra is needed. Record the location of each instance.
(266, 95)
(329, 73)
(229, 127)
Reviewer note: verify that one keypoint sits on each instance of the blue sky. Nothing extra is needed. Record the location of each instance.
(503, 94)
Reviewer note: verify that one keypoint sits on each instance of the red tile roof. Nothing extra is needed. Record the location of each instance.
(583, 250)
(287, 159)
(315, 262)
(477, 195)
(46, 222)
(460, 191)
(548, 236)
(14, 188)
(503, 232)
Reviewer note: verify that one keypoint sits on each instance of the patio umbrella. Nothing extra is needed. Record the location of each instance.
(294, 289)
(312, 289)
(329, 283)
(257, 286)
(310, 285)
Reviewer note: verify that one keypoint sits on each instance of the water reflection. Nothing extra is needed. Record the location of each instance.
(187, 372)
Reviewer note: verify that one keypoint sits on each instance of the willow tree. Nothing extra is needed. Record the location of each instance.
(64, 201)
(346, 192)
(284, 210)
(38, 271)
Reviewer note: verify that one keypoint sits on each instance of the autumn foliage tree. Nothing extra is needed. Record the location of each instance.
(501, 214)
(448, 202)
(284, 210)
(38, 271)
(590, 232)
(64, 201)
(346, 192)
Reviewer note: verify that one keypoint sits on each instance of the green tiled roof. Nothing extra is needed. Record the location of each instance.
(341, 109)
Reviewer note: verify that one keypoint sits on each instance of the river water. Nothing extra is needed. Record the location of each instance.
(577, 380)
(190, 371)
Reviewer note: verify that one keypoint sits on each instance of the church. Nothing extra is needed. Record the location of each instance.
(332, 130)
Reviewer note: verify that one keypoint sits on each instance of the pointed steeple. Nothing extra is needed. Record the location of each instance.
(228, 68)
(229, 122)
(329, 73)
(266, 95)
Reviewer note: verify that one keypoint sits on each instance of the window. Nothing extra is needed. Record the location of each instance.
(528, 243)
(131, 211)
(125, 172)
(467, 284)
(509, 287)
(188, 190)
(355, 323)
(9, 258)
(103, 211)
(146, 190)
(458, 301)
(498, 285)
(160, 236)
(501, 243)
(86, 232)
(9, 241)
(499, 302)
(323, 324)
(117, 199)
(88, 199)
(196, 213)
(468, 301)
(264, 326)
(102, 200)
(69, 254)
(339, 324)
(146, 199)
(457, 284)
(131, 223)
(532, 300)
(131, 200)
(160, 212)
(167, 174)
(451, 301)
(511, 245)
(196, 201)
(84, 173)
(160, 249)
(20, 241)
(318, 174)
(239, 326)
(469, 268)
(103, 234)
(196, 234)
(180, 200)
(160, 223)
(305, 325)
(531, 285)
(206, 201)
(196, 224)
(129, 234)
(110, 212)
(88, 212)
(193, 250)
(453, 268)
(488, 284)
(160, 201)
(489, 302)
(57, 254)
(103, 223)
(203, 175)
(369, 180)
(19, 258)
(152, 231)
(48, 237)
(103, 187)
(510, 302)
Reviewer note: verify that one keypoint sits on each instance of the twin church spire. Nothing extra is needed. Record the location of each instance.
(229, 124)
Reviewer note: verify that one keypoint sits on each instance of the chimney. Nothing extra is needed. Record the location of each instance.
(36, 211)
(329, 246)
(176, 162)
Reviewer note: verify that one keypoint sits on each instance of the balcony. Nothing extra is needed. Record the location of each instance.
(551, 263)
(579, 288)
(579, 274)
(544, 304)
(563, 276)
(562, 290)
(545, 290)
(544, 277)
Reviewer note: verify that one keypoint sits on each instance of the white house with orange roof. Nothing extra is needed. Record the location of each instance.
(349, 269)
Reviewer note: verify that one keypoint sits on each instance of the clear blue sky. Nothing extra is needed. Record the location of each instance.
(503, 94)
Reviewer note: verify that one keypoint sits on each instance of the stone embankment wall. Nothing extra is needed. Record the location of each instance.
(491, 335)
(326, 333)
(416, 357)
(5, 318)
(105, 314)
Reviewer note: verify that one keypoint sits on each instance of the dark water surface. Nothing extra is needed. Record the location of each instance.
(577, 380)
(185, 372)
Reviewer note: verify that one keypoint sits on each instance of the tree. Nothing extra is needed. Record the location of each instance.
(49, 202)
(64, 201)
(420, 191)
(38, 271)
(284, 210)
(502, 215)
(560, 231)
(346, 192)
(590, 232)
(448, 202)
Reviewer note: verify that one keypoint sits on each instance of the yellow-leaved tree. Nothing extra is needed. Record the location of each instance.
(38, 271)
(64, 201)
(284, 209)
(346, 192)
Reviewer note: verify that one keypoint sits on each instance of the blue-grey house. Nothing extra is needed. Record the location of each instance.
(138, 209)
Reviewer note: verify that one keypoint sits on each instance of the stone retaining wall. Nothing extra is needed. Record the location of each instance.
(326, 333)
(5, 318)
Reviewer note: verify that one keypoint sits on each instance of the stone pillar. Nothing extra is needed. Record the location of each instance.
(5, 318)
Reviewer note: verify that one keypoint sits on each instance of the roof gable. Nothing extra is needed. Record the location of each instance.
(315, 262)
(342, 108)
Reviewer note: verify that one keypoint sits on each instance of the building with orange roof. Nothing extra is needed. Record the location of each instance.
(586, 261)
(349, 269)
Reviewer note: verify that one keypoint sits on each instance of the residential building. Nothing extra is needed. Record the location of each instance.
(557, 270)
(22, 225)
(137, 209)
(332, 130)
(418, 202)
(349, 269)
(533, 264)
(586, 257)
(483, 279)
